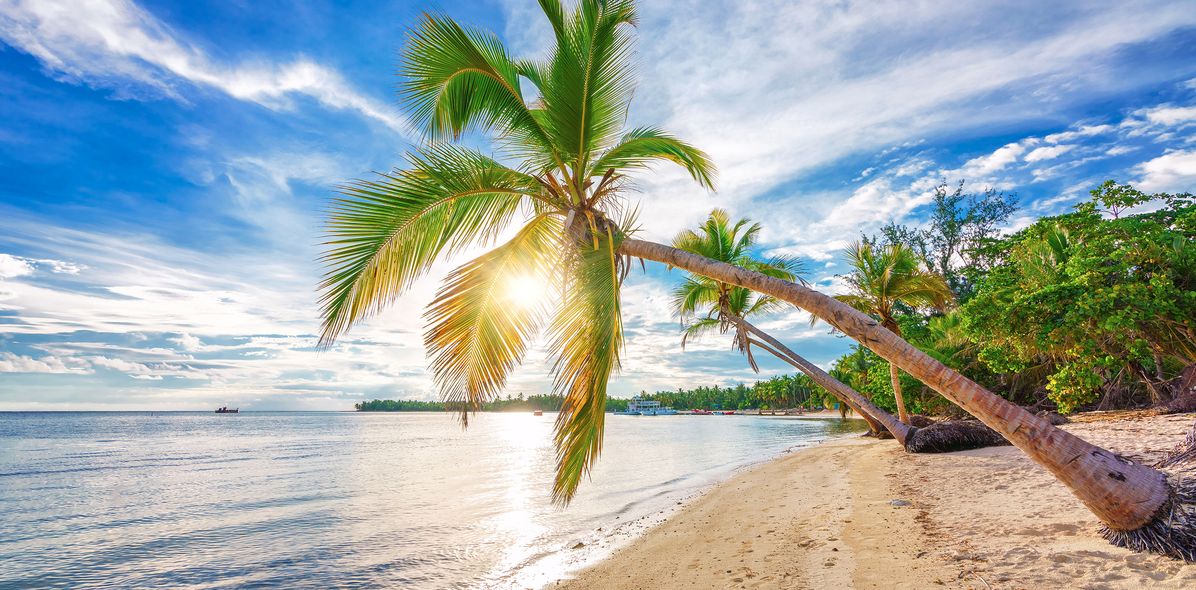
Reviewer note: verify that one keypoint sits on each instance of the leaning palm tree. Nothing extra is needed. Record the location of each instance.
(558, 123)
(706, 305)
(884, 279)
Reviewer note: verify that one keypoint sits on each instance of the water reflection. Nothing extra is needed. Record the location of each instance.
(316, 500)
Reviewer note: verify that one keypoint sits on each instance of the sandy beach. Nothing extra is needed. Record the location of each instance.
(862, 513)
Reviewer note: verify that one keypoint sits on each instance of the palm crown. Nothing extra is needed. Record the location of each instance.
(565, 190)
(885, 277)
(705, 304)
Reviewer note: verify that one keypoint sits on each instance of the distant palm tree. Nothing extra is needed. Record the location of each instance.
(706, 305)
(567, 187)
(886, 278)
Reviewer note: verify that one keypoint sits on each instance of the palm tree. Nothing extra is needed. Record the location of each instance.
(567, 186)
(886, 278)
(705, 304)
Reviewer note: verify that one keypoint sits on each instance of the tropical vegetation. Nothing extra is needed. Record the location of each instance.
(1092, 309)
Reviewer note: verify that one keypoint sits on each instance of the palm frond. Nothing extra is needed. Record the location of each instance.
(646, 145)
(587, 332)
(457, 79)
(476, 333)
(699, 327)
(588, 78)
(385, 233)
(693, 295)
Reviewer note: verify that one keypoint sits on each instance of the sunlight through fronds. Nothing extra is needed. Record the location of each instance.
(476, 334)
(387, 232)
(560, 119)
(888, 276)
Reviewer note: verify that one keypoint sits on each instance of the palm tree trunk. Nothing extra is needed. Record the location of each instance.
(895, 377)
(850, 397)
(1122, 494)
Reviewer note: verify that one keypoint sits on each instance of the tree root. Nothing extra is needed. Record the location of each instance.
(953, 435)
(1172, 531)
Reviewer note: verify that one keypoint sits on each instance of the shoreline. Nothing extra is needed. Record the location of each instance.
(862, 513)
(604, 543)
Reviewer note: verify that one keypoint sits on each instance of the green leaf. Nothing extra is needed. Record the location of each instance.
(477, 331)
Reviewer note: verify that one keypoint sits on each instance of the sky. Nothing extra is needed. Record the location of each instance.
(166, 166)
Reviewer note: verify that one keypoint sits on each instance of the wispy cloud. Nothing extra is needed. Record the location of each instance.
(12, 363)
(117, 44)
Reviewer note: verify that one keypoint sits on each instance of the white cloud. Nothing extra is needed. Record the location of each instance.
(707, 69)
(14, 266)
(1048, 152)
(12, 363)
(1171, 172)
(188, 342)
(110, 43)
(1077, 133)
(998, 160)
(1171, 115)
(62, 267)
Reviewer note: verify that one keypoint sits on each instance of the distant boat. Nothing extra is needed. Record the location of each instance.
(639, 406)
(700, 412)
(228, 410)
(538, 413)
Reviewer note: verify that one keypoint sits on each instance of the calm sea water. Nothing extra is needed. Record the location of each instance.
(321, 500)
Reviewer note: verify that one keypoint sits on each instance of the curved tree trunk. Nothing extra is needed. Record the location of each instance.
(895, 377)
(850, 397)
(1124, 495)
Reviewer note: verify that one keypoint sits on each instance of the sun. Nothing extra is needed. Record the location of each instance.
(526, 291)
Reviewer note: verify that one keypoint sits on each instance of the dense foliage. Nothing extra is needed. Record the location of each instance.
(1096, 306)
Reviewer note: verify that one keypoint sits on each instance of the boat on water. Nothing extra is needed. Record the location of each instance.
(638, 406)
(538, 413)
(228, 410)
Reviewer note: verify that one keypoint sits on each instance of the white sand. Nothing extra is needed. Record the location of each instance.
(825, 518)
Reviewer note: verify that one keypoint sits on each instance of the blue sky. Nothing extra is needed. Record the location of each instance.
(165, 166)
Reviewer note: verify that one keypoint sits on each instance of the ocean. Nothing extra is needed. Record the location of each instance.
(344, 500)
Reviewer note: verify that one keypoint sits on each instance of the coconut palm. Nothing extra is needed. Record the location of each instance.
(706, 305)
(561, 186)
(886, 278)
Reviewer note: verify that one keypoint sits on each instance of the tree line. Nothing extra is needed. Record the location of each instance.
(781, 391)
